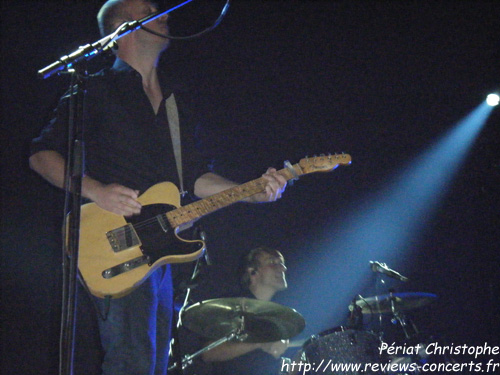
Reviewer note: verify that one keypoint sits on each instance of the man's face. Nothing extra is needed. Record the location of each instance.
(271, 272)
(138, 9)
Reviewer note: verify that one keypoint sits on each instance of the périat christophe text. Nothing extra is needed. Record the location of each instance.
(477, 352)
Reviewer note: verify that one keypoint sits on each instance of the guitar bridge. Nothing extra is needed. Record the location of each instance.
(123, 238)
(125, 267)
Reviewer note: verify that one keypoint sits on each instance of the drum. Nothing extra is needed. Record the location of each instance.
(341, 345)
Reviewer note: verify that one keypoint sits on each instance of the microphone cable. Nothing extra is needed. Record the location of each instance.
(196, 35)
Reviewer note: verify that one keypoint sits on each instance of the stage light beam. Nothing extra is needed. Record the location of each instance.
(382, 228)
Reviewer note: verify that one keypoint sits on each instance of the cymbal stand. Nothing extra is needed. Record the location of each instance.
(174, 340)
(379, 283)
(237, 333)
(399, 317)
(174, 352)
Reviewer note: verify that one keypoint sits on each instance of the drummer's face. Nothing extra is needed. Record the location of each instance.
(271, 271)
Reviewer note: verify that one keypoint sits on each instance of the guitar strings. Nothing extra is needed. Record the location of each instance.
(258, 183)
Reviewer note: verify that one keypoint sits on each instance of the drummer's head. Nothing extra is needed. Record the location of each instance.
(263, 269)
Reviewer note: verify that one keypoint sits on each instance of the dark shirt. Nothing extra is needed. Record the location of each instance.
(125, 141)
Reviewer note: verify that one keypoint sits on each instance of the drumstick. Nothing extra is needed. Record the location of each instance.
(296, 343)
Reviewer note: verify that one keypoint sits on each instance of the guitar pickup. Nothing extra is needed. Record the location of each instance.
(123, 238)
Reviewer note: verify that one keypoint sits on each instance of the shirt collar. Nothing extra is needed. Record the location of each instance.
(120, 66)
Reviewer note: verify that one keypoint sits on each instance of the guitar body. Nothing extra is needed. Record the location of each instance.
(116, 254)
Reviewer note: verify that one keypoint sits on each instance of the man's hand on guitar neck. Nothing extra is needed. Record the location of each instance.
(211, 183)
(275, 187)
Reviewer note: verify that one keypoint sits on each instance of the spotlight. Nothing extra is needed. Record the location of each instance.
(492, 100)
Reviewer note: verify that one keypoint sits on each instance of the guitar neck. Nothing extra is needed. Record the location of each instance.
(193, 211)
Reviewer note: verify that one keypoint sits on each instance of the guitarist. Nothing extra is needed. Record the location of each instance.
(127, 150)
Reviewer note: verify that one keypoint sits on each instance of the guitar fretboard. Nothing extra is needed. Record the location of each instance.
(223, 199)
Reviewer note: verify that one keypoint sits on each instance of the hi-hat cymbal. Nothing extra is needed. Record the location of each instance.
(400, 301)
(257, 321)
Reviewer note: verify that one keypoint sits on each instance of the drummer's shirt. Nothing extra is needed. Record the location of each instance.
(256, 362)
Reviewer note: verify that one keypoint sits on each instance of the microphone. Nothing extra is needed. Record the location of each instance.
(382, 268)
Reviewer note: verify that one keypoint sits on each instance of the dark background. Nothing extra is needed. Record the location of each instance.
(279, 80)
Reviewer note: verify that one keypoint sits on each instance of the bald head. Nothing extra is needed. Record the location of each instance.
(115, 12)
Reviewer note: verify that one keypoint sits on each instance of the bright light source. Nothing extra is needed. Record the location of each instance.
(492, 99)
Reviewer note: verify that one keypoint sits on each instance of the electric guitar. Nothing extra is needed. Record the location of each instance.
(116, 254)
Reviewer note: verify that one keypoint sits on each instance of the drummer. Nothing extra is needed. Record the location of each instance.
(262, 275)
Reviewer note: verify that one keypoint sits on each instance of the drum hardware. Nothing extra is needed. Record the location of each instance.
(355, 320)
(262, 321)
(399, 317)
(395, 306)
(186, 287)
(344, 344)
(187, 360)
(394, 302)
(296, 343)
(384, 269)
(240, 319)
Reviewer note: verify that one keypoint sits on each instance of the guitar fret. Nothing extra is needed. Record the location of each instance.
(287, 174)
(195, 210)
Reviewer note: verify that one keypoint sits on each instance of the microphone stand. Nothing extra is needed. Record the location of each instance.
(179, 363)
(73, 180)
(73, 64)
(174, 341)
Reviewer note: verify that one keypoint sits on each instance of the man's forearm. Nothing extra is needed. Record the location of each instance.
(51, 166)
(210, 184)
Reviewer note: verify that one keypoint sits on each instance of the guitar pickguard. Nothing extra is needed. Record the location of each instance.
(151, 231)
(156, 237)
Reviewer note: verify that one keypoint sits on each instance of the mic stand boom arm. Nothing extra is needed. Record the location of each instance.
(89, 51)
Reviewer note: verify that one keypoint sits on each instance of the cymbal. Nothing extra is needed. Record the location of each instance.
(401, 302)
(257, 321)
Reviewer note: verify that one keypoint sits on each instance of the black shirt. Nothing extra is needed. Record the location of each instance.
(125, 141)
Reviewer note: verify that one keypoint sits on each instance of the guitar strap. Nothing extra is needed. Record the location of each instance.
(175, 134)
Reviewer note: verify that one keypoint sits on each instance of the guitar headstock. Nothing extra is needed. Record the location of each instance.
(324, 163)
